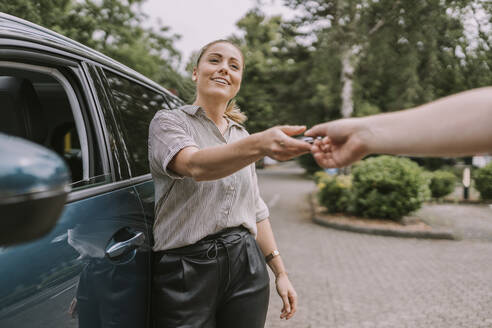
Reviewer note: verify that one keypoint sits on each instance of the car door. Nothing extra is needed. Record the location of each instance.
(132, 104)
(93, 269)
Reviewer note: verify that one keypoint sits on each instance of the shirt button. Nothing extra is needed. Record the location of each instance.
(231, 188)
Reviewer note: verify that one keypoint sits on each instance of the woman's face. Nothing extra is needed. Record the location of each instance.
(219, 71)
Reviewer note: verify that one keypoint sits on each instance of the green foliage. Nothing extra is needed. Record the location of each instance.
(404, 53)
(365, 109)
(334, 192)
(483, 181)
(388, 187)
(456, 170)
(275, 88)
(435, 163)
(442, 183)
(308, 163)
(318, 175)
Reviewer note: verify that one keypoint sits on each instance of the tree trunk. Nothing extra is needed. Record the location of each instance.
(348, 67)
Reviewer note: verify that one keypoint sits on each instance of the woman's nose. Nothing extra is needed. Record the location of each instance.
(223, 68)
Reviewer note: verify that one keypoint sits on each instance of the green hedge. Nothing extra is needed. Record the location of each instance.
(442, 183)
(388, 187)
(308, 163)
(334, 192)
(483, 181)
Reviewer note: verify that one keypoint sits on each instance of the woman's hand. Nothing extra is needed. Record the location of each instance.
(287, 294)
(72, 309)
(278, 144)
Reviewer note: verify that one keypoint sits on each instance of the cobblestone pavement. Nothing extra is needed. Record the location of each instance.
(350, 280)
(466, 221)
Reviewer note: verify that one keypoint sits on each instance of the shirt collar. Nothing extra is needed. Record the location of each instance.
(232, 122)
(193, 110)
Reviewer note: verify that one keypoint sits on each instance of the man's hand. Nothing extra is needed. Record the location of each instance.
(344, 142)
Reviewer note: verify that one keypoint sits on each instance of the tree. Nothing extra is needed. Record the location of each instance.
(390, 54)
(275, 87)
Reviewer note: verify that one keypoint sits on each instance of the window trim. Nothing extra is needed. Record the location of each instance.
(74, 106)
(96, 72)
(165, 93)
(100, 125)
(107, 187)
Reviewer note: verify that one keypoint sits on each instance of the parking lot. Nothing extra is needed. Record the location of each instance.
(349, 280)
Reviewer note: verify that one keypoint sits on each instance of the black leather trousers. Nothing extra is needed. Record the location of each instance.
(219, 282)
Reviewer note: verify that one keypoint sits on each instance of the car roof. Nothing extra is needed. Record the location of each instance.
(12, 27)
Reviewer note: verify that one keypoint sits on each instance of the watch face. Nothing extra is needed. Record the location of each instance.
(272, 255)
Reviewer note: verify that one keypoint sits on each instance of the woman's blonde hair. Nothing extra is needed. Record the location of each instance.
(232, 111)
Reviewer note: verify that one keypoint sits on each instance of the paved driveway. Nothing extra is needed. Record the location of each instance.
(347, 279)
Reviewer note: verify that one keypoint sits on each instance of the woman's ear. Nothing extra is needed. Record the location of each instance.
(194, 75)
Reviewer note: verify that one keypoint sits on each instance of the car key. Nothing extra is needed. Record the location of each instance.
(308, 139)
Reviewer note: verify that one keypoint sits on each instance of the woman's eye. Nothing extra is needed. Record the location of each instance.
(214, 60)
(235, 66)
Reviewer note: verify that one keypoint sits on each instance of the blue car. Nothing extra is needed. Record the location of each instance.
(76, 195)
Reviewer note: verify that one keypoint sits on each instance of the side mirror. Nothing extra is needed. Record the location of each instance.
(34, 184)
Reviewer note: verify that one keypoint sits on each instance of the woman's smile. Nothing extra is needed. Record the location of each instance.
(221, 81)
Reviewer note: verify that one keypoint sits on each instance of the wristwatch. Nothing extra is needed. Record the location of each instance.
(270, 256)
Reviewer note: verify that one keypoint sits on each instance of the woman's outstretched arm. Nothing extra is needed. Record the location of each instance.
(220, 161)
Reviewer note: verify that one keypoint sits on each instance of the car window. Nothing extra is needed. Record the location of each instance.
(37, 106)
(136, 106)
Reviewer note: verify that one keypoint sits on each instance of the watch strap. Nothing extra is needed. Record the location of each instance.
(270, 256)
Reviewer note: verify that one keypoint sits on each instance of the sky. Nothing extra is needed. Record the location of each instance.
(201, 21)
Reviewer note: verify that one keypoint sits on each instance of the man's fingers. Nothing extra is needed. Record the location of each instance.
(324, 160)
(317, 130)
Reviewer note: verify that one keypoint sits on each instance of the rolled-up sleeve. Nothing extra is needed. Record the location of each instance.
(167, 136)
(261, 208)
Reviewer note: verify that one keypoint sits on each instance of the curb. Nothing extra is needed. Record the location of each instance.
(446, 235)
(386, 232)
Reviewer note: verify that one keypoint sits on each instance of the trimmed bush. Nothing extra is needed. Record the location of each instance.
(388, 187)
(308, 163)
(334, 192)
(442, 183)
(483, 181)
(319, 175)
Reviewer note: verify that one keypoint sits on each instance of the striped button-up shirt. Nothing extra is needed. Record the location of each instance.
(188, 210)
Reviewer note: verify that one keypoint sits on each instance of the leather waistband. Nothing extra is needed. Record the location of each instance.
(219, 239)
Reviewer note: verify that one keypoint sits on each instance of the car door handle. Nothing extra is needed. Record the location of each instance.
(122, 247)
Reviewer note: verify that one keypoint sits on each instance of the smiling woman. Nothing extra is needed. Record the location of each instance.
(209, 209)
(228, 84)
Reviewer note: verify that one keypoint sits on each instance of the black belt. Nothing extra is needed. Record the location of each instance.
(211, 245)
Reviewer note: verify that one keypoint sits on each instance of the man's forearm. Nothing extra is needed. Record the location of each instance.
(453, 126)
